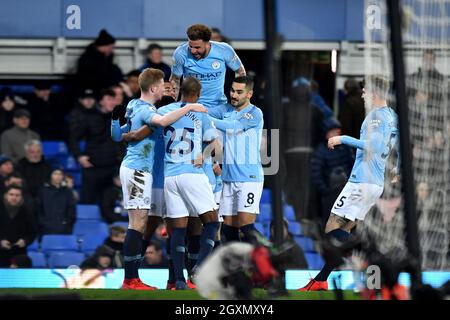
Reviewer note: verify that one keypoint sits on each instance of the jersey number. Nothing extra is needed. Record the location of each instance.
(184, 137)
(341, 202)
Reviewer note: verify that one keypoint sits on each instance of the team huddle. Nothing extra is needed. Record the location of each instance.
(171, 168)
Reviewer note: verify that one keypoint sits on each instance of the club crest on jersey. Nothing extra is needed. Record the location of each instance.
(215, 65)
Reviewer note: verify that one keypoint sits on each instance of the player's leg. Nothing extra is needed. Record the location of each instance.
(228, 210)
(210, 221)
(249, 196)
(136, 195)
(177, 216)
(152, 224)
(171, 279)
(194, 231)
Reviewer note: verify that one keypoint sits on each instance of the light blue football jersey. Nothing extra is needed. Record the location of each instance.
(140, 154)
(378, 136)
(210, 71)
(242, 142)
(184, 140)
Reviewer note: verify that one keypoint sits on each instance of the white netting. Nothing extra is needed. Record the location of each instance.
(426, 37)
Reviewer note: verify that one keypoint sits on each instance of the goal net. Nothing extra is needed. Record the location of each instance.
(426, 42)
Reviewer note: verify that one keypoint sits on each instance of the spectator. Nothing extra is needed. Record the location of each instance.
(352, 112)
(21, 261)
(112, 249)
(317, 99)
(47, 113)
(7, 107)
(6, 168)
(154, 257)
(85, 104)
(112, 202)
(16, 179)
(154, 60)
(101, 156)
(119, 94)
(96, 69)
(16, 226)
(68, 180)
(56, 206)
(13, 140)
(216, 35)
(330, 169)
(34, 168)
(131, 85)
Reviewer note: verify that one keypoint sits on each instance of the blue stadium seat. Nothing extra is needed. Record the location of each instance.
(57, 242)
(121, 223)
(266, 196)
(53, 148)
(84, 227)
(260, 227)
(88, 212)
(38, 259)
(305, 243)
(76, 178)
(65, 259)
(66, 162)
(265, 212)
(289, 212)
(82, 145)
(315, 261)
(34, 247)
(295, 228)
(90, 242)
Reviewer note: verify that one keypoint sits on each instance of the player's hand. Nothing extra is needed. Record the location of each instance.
(5, 244)
(20, 243)
(217, 169)
(334, 141)
(118, 112)
(197, 107)
(84, 162)
(198, 162)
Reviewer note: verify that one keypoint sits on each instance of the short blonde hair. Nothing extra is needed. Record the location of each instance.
(149, 77)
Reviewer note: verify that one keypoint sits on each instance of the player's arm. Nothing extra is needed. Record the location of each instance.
(375, 142)
(242, 124)
(232, 60)
(117, 130)
(168, 119)
(241, 71)
(137, 135)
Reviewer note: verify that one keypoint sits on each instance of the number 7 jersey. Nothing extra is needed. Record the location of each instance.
(184, 140)
(379, 135)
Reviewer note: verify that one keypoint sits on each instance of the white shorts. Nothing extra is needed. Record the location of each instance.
(188, 194)
(136, 188)
(217, 197)
(158, 206)
(240, 197)
(356, 199)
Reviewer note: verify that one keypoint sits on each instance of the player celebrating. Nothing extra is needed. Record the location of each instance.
(207, 61)
(136, 167)
(186, 187)
(378, 138)
(242, 175)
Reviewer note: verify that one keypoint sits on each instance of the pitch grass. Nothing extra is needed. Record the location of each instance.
(111, 294)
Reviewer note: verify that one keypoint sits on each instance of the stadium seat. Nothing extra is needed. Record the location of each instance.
(88, 212)
(65, 259)
(82, 145)
(265, 212)
(121, 223)
(34, 247)
(76, 178)
(53, 148)
(315, 261)
(84, 227)
(37, 259)
(305, 243)
(57, 242)
(295, 228)
(266, 196)
(289, 213)
(67, 162)
(260, 227)
(90, 242)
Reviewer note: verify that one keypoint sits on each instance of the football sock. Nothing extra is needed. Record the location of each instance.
(169, 257)
(177, 252)
(193, 247)
(248, 231)
(132, 249)
(230, 233)
(207, 240)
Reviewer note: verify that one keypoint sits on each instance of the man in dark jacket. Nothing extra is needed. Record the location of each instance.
(352, 112)
(56, 206)
(101, 157)
(330, 169)
(16, 226)
(154, 60)
(112, 202)
(96, 69)
(34, 168)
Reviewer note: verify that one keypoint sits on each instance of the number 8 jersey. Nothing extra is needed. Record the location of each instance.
(184, 140)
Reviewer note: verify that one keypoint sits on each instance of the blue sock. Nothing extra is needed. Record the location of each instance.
(248, 230)
(193, 247)
(207, 240)
(177, 252)
(132, 248)
(340, 235)
(230, 233)
(169, 257)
